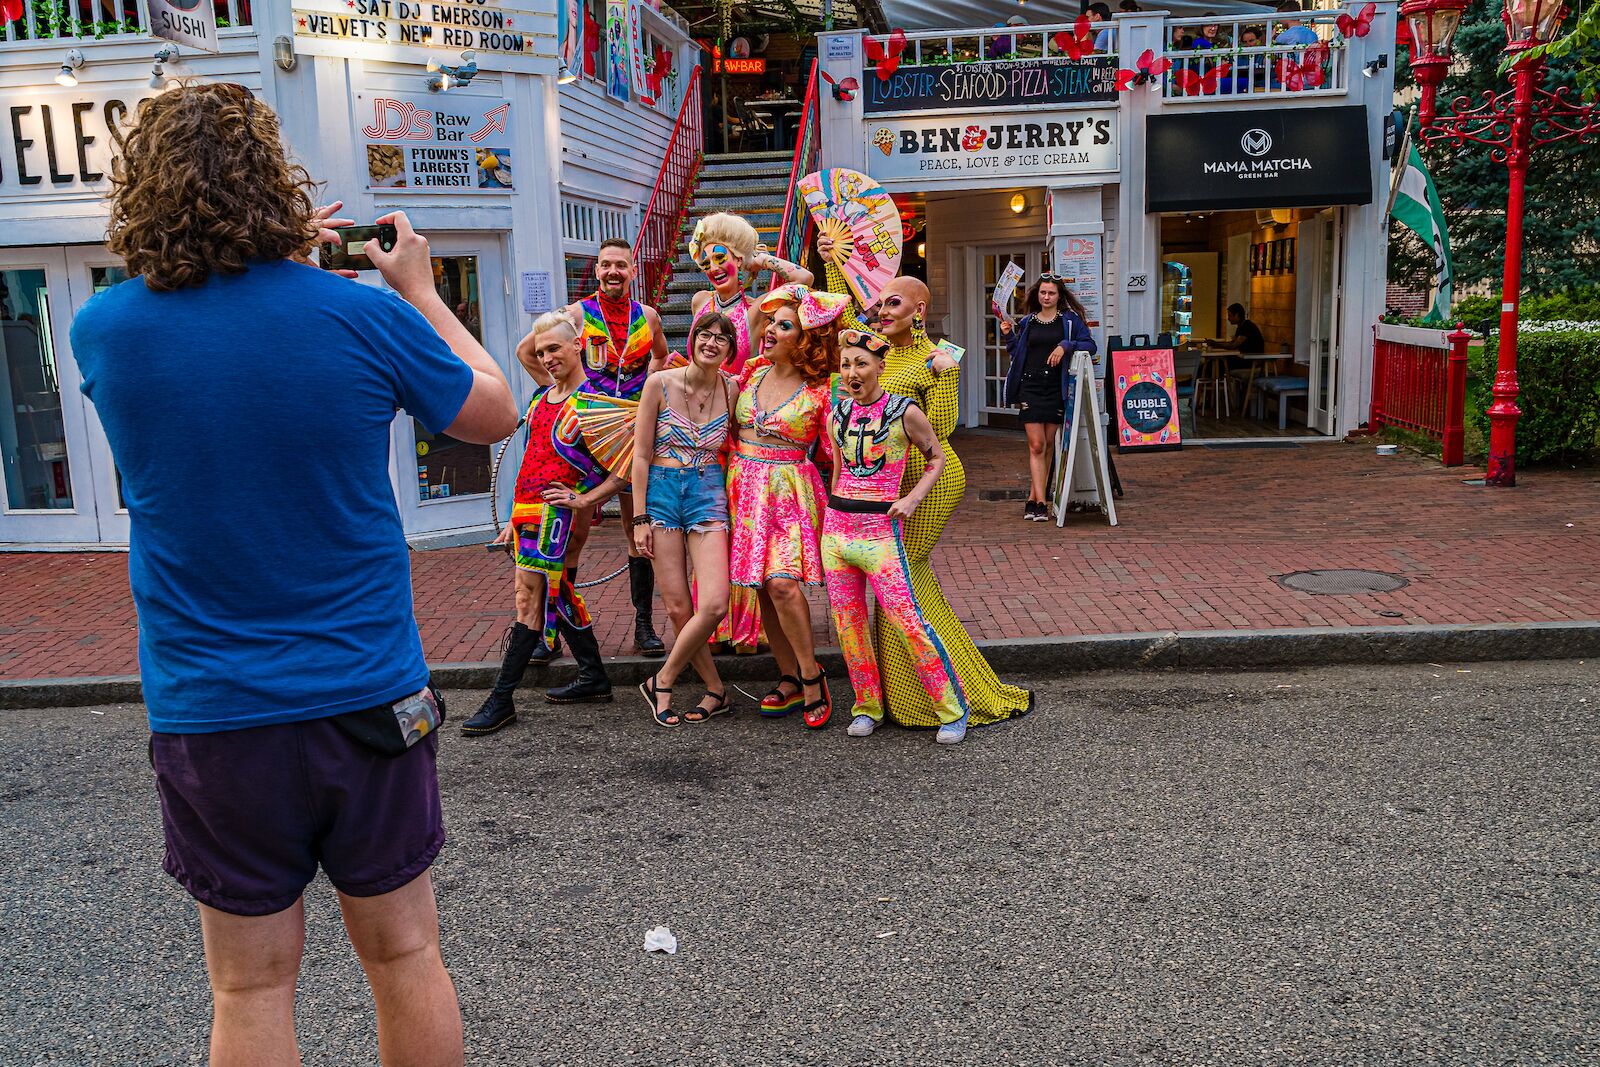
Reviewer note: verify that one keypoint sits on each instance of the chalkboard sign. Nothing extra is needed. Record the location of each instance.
(990, 86)
(1145, 399)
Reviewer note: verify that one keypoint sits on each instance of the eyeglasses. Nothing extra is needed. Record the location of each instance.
(720, 340)
(874, 343)
(1048, 277)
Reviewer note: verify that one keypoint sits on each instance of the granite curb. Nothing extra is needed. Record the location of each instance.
(1036, 657)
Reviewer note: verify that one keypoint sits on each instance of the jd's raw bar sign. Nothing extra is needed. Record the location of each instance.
(1282, 157)
(990, 85)
(1038, 142)
(436, 143)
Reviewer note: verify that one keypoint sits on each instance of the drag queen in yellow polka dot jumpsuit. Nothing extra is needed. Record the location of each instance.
(899, 317)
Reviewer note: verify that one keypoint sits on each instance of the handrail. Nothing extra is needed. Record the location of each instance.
(1229, 67)
(669, 200)
(991, 43)
(63, 20)
(794, 234)
(1419, 383)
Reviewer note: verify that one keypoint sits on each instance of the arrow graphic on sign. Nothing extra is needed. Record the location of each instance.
(495, 122)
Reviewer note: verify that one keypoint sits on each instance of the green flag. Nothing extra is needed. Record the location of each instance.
(1417, 208)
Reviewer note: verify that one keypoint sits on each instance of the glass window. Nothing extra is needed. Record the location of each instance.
(447, 467)
(101, 279)
(33, 437)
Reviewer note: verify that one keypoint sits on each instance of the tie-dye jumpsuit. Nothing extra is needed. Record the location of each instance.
(861, 544)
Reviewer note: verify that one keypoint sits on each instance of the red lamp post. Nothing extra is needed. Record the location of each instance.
(1511, 123)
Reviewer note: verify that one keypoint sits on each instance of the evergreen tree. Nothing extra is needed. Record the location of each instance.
(1561, 224)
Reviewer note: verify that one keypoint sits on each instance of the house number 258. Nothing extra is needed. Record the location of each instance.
(1138, 283)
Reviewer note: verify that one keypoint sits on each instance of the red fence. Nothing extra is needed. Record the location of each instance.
(794, 235)
(663, 219)
(1419, 383)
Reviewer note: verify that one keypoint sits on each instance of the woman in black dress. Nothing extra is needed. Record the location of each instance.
(1041, 345)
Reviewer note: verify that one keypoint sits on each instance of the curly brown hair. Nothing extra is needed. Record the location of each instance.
(201, 184)
(816, 353)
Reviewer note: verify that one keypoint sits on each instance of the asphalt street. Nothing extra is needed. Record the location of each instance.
(1343, 865)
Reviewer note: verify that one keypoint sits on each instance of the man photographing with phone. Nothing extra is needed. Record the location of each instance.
(291, 716)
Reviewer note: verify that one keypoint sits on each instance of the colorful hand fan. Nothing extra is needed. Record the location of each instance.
(607, 427)
(863, 223)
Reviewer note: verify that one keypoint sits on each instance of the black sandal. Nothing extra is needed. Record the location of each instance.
(778, 703)
(813, 719)
(722, 707)
(651, 691)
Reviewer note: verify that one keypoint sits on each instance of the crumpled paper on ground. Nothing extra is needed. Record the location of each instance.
(660, 939)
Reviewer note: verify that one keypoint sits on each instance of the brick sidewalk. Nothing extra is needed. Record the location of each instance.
(1204, 536)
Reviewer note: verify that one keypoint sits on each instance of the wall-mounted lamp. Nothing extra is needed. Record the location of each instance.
(283, 53)
(167, 53)
(922, 250)
(564, 75)
(1019, 203)
(442, 78)
(69, 65)
(1372, 66)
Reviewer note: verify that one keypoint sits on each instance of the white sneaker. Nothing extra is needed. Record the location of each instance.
(862, 726)
(952, 733)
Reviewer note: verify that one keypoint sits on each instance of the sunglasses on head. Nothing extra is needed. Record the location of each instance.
(872, 342)
(1049, 277)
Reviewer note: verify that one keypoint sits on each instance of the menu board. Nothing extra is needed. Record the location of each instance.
(436, 143)
(1146, 400)
(1013, 83)
(996, 145)
(519, 35)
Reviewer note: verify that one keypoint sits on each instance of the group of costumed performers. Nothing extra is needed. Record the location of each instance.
(726, 445)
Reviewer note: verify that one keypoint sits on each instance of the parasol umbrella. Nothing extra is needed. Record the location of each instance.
(862, 221)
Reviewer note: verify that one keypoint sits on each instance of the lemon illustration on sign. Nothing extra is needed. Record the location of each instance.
(422, 448)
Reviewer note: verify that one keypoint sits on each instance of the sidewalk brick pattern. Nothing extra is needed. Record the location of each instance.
(1204, 536)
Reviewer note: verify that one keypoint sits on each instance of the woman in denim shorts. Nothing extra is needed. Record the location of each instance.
(681, 427)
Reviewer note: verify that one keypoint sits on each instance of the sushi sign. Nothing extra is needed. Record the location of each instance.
(435, 144)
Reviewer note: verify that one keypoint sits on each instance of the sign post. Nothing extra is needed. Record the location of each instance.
(1084, 475)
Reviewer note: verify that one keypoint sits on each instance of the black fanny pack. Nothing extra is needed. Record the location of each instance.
(391, 729)
(858, 507)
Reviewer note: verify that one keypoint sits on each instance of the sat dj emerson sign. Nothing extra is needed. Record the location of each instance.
(1286, 157)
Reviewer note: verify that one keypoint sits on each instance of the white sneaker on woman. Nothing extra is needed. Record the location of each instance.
(952, 733)
(862, 726)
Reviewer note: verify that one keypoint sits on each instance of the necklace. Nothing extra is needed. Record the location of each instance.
(699, 405)
(1044, 321)
(725, 306)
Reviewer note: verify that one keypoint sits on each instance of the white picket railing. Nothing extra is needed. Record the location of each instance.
(81, 20)
(1252, 57)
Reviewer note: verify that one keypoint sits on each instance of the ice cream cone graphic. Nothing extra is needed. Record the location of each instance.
(883, 140)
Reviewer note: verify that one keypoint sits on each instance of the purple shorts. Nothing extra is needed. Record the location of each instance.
(249, 814)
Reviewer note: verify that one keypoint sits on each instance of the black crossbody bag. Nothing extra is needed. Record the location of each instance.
(391, 729)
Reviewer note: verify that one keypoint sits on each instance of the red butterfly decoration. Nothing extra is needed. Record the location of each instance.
(658, 72)
(1360, 25)
(842, 90)
(1306, 74)
(886, 57)
(10, 11)
(1078, 43)
(1193, 83)
(1150, 68)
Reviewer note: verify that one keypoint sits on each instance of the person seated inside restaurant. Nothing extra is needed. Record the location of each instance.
(1247, 339)
(1106, 39)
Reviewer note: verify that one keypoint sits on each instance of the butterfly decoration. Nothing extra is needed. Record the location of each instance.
(1149, 69)
(658, 73)
(1358, 25)
(842, 90)
(10, 11)
(886, 57)
(1193, 83)
(1308, 73)
(1078, 43)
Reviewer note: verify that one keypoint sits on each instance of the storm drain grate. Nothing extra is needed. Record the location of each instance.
(1343, 582)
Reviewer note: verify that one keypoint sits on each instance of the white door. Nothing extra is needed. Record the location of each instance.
(92, 270)
(1317, 313)
(986, 264)
(47, 469)
(443, 483)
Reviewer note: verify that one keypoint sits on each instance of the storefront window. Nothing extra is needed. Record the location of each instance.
(447, 467)
(33, 438)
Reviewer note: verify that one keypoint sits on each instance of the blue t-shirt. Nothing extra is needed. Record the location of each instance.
(249, 418)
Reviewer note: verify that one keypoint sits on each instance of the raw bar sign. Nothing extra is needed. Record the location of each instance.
(1146, 400)
(991, 85)
(1039, 142)
(436, 143)
(1258, 158)
(506, 36)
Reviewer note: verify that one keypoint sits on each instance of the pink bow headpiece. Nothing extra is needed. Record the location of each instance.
(817, 308)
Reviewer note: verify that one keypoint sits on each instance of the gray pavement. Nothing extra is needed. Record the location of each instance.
(1384, 864)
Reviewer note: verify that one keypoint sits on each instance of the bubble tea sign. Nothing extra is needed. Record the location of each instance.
(1146, 400)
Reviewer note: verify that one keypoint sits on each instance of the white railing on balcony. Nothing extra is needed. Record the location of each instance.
(998, 44)
(1285, 55)
(80, 20)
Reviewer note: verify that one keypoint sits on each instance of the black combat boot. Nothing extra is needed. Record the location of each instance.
(591, 686)
(642, 591)
(497, 711)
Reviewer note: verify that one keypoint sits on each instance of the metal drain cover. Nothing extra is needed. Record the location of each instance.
(1343, 582)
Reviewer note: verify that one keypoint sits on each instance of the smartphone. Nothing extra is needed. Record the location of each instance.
(350, 252)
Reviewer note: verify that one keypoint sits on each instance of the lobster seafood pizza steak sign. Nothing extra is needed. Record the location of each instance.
(998, 144)
(1286, 157)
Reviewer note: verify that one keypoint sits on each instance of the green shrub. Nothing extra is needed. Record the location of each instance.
(1558, 374)
(1573, 305)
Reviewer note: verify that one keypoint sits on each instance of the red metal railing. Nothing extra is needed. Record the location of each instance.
(1419, 383)
(657, 245)
(794, 235)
